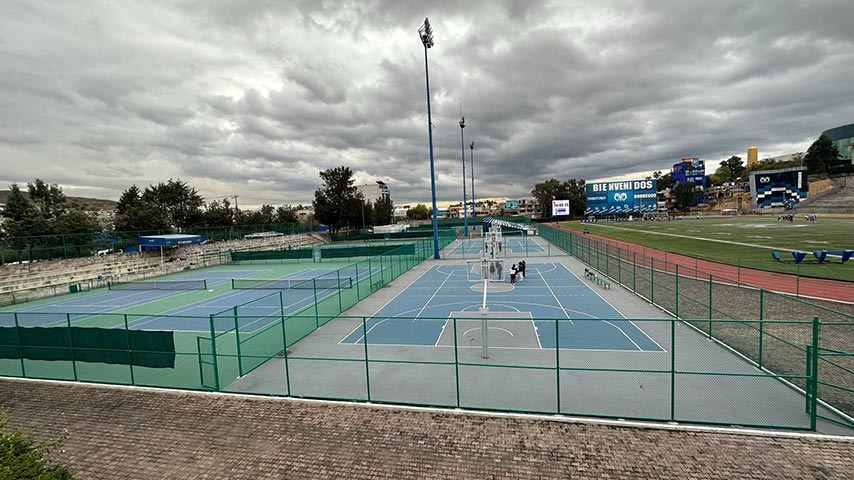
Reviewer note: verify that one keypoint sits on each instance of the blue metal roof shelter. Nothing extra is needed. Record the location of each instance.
(155, 242)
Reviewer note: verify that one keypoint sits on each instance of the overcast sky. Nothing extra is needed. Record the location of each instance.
(254, 98)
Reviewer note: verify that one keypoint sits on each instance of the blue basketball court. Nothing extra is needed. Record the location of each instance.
(550, 291)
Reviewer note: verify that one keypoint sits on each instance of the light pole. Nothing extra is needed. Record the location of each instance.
(465, 203)
(426, 34)
(473, 201)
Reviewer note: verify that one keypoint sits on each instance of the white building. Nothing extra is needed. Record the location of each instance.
(374, 191)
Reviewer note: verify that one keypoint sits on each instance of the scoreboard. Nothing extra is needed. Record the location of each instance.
(628, 196)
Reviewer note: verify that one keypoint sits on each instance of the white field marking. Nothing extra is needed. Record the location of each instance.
(703, 239)
(758, 236)
(565, 313)
(425, 272)
(817, 241)
(620, 313)
(493, 328)
(416, 315)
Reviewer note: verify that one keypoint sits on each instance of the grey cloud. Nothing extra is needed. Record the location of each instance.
(255, 98)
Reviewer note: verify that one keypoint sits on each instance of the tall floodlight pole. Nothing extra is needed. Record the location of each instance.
(473, 200)
(426, 34)
(465, 203)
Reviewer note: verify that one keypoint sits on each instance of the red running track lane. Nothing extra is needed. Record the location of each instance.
(822, 288)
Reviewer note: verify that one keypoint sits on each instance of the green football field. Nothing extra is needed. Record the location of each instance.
(745, 241)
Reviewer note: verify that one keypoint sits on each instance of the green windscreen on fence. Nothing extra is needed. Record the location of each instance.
(272, 255)
(143, 348)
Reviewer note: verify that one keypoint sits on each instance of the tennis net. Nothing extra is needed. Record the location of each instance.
(160, 285)
(290, 283)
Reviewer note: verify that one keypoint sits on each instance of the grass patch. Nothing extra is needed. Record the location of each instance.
(743, 241)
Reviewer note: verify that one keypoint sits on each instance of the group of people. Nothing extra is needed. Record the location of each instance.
(520, 270)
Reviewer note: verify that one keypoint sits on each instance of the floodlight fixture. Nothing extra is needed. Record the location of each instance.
(426, 34)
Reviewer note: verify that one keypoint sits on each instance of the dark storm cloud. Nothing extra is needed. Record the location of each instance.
(254, 98)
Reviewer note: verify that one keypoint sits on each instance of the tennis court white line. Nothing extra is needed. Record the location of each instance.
(425, 272)
(618, 311)
(555, 296)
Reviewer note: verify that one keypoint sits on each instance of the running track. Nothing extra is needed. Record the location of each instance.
(822, 288)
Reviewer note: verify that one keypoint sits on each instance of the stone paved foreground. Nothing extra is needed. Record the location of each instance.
(135, 433)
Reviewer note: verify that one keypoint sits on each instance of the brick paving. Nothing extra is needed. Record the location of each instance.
(135, 433)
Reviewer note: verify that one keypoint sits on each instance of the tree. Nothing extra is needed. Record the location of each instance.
(48, 198)
(383, 211)
(336, 203)
(219, 214)
(736, 168)
(25, 458)
(133, 213)
(572, 190)
(45, 212)
(576, 193)
(663, 182)
(367, 212)
(18, 206)
(141, 216)
(128, 199)
(686, 196)
(286, 214)
(418, 212)
(181, 203)
(820, 155)
(547, 191)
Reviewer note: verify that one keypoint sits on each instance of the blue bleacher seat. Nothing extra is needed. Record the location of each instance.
(820, 255)
(799, 256)
(775, 256)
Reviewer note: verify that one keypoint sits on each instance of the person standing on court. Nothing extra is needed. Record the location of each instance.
(522, 265)
(513, 271)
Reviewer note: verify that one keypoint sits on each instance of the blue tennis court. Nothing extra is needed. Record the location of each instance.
(550, 291)
(265, 304)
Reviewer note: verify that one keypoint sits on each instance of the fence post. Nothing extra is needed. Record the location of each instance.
(213, 353)
(710, 304)
(314, 289)
(129, 350)
(619, 266)
(237, 340)
(367, 363)
(557, 363)
(358, 295)
(761, 323)
(652, 280)
(676, 284)
(20, 347)
(456, 363)
(338, 275)
(634, 272)
(672, 369)
(285, 345)
(71, 345)
(809, 380)
(814, 374)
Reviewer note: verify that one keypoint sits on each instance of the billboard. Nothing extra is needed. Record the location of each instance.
(778, 188)
(628, 196)
(560, 207)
